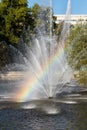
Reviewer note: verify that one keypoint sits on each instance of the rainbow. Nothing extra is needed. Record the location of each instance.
(26, 90)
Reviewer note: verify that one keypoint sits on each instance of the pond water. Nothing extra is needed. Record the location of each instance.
(71, 117)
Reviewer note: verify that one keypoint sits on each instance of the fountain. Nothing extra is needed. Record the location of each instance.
(44, 67)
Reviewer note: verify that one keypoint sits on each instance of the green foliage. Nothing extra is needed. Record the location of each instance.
(82, 79)
(58, 28)
(14, 17)
(3, 55)
(17, 20)
(41, 16)
(77, 51)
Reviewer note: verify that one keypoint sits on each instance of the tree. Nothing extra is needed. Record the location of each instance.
(14, 17)
(77, 52)
(3, 55)
(58, 28)
(41, 16)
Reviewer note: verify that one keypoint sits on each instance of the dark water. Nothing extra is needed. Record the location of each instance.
(71, 117)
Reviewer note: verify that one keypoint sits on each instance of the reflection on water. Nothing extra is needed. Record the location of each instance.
(71, 117)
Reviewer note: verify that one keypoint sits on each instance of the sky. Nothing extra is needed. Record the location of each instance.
(59, 6)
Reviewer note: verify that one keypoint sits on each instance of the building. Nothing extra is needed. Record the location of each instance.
(73, 19)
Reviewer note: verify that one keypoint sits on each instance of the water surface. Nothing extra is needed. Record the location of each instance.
(71, 117)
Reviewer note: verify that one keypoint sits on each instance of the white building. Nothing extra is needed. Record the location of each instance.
(73, 19)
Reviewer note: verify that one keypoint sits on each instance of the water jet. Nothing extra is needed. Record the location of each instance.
(44, 65)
